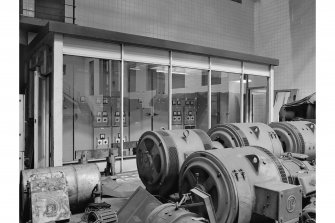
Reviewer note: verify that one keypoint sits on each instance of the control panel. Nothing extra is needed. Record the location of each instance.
(190, 113)
(106, 121)
(102, 122)
(102, 138)
(102, 112)
(177, 111)
(184, 111)
(116, 117)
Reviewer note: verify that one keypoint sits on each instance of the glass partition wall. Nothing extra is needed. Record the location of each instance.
(146, 99)
(91, 103)
(225, 97)
(256, 98)
(177, 82)
(189, 98)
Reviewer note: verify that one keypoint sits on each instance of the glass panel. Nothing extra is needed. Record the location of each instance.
(189, 99)
(189, 60)
(221, 64)
(225, 97)
(256, 69)
(146, 99)
(90, 48)
(91, 93)
(146, 55)
(256, 87)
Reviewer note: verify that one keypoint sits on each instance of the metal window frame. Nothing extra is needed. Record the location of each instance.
(242, 89)
(121, 105)
(170, 91)
(209, 94)
(57, 102)
(270, 94)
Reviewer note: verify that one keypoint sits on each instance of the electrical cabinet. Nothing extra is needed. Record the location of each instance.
(116, 119)
(102, 133)
(102, 111)
(184, 111)
(177, 112)
(190, 113)
(140, 118)
(160, 115)
(102, 138)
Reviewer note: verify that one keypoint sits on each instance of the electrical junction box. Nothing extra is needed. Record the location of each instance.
(279, 201)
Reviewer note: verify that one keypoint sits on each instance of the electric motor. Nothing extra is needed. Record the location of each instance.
(296, 137)
(81, 180)
(246, 134)
(238, 180)
(160, 155)
(167, 213)
(144, 207)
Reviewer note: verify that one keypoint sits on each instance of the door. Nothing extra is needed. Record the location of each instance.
(148, 97)
(257, 105)
(41, 120)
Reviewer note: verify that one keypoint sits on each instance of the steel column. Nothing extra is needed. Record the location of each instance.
(209, 104)
(121, 106)
(270, 94)
(36, 119)
(241, 94)
(247, 98)
(57, 103)
(170, 92)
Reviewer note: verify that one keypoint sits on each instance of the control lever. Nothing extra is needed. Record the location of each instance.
(206, 201)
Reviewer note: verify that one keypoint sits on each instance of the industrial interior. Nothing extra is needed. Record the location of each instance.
(164, 111)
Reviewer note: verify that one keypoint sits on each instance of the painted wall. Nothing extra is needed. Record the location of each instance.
(282, 29)
(215, 23)
(285, 30)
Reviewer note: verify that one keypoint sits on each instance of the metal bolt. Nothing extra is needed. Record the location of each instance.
(236, 174)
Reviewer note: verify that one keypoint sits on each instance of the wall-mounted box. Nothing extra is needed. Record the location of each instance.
(279, 201)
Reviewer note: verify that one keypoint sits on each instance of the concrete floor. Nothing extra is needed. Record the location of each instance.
(118, 191)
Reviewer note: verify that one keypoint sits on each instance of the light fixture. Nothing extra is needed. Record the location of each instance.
(162, 71)
(244, 81)
(134, 68)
